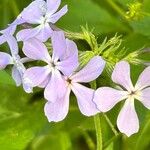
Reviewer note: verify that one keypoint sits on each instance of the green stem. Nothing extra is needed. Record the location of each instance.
(89, 141)
(111, 125)
(97, 124)
(98, 132)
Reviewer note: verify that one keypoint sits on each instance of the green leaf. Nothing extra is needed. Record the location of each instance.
(20, 120)
(5, 78)
(56, 140)
(81, 13)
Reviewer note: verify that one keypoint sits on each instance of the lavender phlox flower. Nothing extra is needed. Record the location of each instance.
(41, 13)
(63, 61)
(18, 68)
(57, 111)
(106, 98)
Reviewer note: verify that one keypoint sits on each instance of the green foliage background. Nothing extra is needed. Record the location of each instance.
(23, 125)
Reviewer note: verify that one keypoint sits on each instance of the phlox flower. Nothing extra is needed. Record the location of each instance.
(63, 61)
(57, 111)
(42, 14)
(106, 98)
(18, 68)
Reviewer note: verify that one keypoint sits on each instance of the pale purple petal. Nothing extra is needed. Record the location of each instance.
(27, 88)
(2, 39)
(70, 60)
(91, 71)
(19, 20)
(144, 97)
(33, 13)
(5, 59)
(55, 17)
(53, 5)
(44, 33)
(12, 42)
(36, 75)
(58, 110)
(58, 83)
(58, 44)
(106, 98)
(85, 97)
(121, 75)
(10, 30)
(26, 34)
(71, 49)
(127, 121)
(36, 50)
(144, 79)
(16, 76)
(45, 82)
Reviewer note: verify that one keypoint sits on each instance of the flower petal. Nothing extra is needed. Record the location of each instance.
(45, 82)
(10, 30)
(85, 99)
(91, 71)
(36, 75)
(44, 33)
(36, 50)
(12, 42)
(58, 44)
(106, 98)
(55, 17)
(58, 110)
(144, 97)
(33, 13)
(19, 20)
(70, 60)
(56, 82)
(121, 75)
(26, 86)
(2, 39)
(53, 5)
(144, 79)
(26, 34)
(127, 120)
(5, 59)
(16, 76)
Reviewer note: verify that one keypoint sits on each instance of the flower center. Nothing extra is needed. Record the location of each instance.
(17, 62)
(69, 81)
(53, 65)
(43, 21)
(134, 94)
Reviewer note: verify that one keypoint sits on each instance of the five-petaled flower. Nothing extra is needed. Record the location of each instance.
(58, 109)
(106, 97)
(63, 61)
(42, 14)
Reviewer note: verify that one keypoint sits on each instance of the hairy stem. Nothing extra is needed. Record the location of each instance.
(97, 125)
(89, 141)
(111, 125)
(98, 132)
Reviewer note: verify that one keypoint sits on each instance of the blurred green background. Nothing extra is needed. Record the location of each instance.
(23, 125)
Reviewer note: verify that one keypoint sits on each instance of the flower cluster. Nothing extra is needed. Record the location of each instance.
(59, 72)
